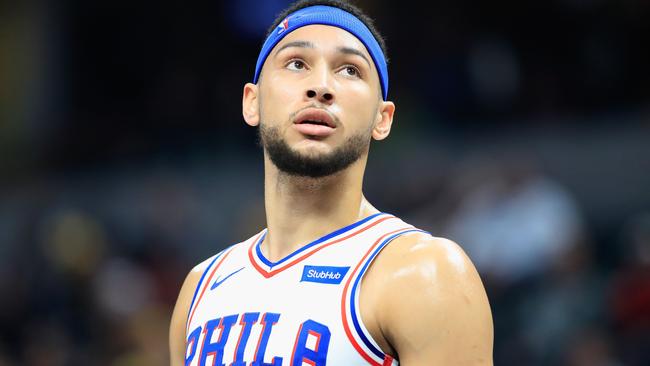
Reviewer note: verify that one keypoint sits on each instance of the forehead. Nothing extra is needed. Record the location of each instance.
(324, 37)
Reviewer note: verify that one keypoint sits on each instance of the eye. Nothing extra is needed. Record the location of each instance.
(350, 70)
(295, 65)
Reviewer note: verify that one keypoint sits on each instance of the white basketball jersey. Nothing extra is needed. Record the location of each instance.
(300, 310)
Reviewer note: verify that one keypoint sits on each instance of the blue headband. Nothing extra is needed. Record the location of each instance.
(327, 15)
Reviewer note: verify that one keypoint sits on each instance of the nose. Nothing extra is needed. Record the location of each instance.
(322, 94)
(320, 88)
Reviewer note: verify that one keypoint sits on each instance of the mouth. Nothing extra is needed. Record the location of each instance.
(315, 123)
(318, 123)
(315, 116)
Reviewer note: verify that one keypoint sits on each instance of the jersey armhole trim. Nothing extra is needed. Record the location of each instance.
(357, 333)
(195, 302)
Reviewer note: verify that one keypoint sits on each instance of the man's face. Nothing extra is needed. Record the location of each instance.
(319, 100)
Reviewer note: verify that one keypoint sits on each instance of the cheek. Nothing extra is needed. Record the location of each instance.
(277, 98)
(357, 93)
(283, 89)
(361, 105)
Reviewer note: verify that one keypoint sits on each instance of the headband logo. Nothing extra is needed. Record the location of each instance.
(283, 26)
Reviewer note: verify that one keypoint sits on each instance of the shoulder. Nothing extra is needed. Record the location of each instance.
(195, 274)
(180, 313)
(191, 283)
(425, 262)
(420, 255)
(441, 303)
(182, 308)
(198, 271)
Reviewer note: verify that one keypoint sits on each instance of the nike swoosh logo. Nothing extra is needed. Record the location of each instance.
(217, 282)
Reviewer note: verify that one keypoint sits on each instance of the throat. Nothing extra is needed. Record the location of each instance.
(281, 242)
(304, 186)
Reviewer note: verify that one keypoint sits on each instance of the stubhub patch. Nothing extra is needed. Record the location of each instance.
(324, 274)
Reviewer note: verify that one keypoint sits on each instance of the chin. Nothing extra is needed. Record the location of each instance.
(312, 148)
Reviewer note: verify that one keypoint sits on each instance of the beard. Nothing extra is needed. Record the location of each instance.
(297, 164)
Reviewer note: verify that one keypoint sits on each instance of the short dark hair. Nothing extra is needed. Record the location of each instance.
(341, 4)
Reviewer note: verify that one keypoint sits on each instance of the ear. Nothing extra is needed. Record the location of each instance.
(250, 104)
(384, 120)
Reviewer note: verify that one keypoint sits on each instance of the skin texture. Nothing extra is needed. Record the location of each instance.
(421, 299)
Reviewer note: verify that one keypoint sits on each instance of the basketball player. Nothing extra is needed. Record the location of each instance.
(331, 280)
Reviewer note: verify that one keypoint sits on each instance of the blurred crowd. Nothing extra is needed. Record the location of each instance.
(522, 133)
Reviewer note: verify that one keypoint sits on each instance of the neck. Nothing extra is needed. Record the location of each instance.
(301, 209)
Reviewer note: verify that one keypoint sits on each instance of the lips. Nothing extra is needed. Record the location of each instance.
(315, 116)
(315, 122)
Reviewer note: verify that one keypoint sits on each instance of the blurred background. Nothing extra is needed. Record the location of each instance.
(522, 132)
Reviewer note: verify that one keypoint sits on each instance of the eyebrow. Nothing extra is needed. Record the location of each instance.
(353, 51)
(308, 44)
(301, 44)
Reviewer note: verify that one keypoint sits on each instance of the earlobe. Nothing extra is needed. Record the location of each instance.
(250, 105)
(384, 120)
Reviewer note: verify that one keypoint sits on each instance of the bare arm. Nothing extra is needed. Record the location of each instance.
(435, 309)
(179, 317)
